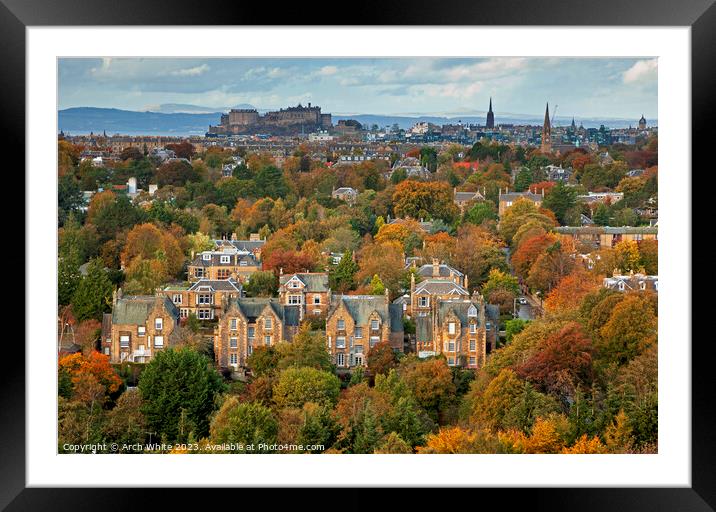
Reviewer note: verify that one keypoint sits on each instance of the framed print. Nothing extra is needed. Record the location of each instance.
(422, 255)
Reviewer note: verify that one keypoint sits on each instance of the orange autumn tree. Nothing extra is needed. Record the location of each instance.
(92, 377)
(440, 246)
(528, 251)
(571, 290)
(449, 440)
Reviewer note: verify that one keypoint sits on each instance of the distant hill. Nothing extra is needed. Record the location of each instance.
(83, 120)
(173, 120)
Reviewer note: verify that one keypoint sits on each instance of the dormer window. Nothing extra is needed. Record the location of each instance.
(341, 325)
(472, 311)
(424, 302)
(225, 259)
(206, 256)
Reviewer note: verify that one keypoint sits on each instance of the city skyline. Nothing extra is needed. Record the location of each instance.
(581, 87)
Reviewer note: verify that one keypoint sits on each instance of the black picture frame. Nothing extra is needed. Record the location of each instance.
(700, 15)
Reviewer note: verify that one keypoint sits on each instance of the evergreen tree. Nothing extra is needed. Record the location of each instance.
(376, 285)
(178, 389)
(560, 199)
(68, 277)
(342, 278)
(601, 215)
(93, 294)
(523, 179)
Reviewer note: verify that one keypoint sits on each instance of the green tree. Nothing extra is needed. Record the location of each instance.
(560, 199)
(342, 278)
(308, 349)
(270, 182)
(261, 284)
(263, 360)
(93, 294)
(244, 424)
(178, 390)
(524, 179)
(68, 278)
(601, 215)
(376, 285)
(480, 212)
(296, 386)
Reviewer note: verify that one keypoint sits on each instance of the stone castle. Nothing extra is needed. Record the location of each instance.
(284, 121)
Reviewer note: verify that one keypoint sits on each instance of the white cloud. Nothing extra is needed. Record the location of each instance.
(328, 70)
(195, 71)
(641, 70)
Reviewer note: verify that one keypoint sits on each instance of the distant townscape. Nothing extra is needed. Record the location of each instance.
(284, 283)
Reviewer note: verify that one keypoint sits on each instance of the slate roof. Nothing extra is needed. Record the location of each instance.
(459, 307)
(218, 285)
(514, 196)
(345, 190)
(134, 310)
(462, 197)
(396, 317)
(424, 328)
(313, 281)
(440, 287)
(234, 260)
(251, 308)
(443, 271)
(242, 245)
(360, 307)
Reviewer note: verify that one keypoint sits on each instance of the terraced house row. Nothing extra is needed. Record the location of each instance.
(447, 318)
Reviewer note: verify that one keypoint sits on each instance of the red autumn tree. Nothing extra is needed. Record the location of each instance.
(289, 262)
(562, 362)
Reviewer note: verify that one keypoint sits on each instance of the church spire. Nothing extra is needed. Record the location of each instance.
(546, 117)
(490, 123)
(546, 133)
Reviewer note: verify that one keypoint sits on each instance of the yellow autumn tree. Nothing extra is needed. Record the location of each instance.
(586, 445)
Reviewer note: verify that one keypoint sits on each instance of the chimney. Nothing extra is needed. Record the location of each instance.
(436, 267)
(114, 298)
(280, 271)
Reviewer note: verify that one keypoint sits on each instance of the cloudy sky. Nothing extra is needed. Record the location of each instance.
(588, 87)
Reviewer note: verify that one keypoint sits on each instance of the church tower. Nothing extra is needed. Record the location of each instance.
(490, 117)
(546, 133)
(642, 123)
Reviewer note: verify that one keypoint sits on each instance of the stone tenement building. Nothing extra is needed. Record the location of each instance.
(224, 264)
(286, 121)
(356, 323)
(249, 323)
(456, 328)
(205, 298)
(308, 291)
(138, 327)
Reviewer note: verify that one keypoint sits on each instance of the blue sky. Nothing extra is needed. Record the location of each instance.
(581, 87)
